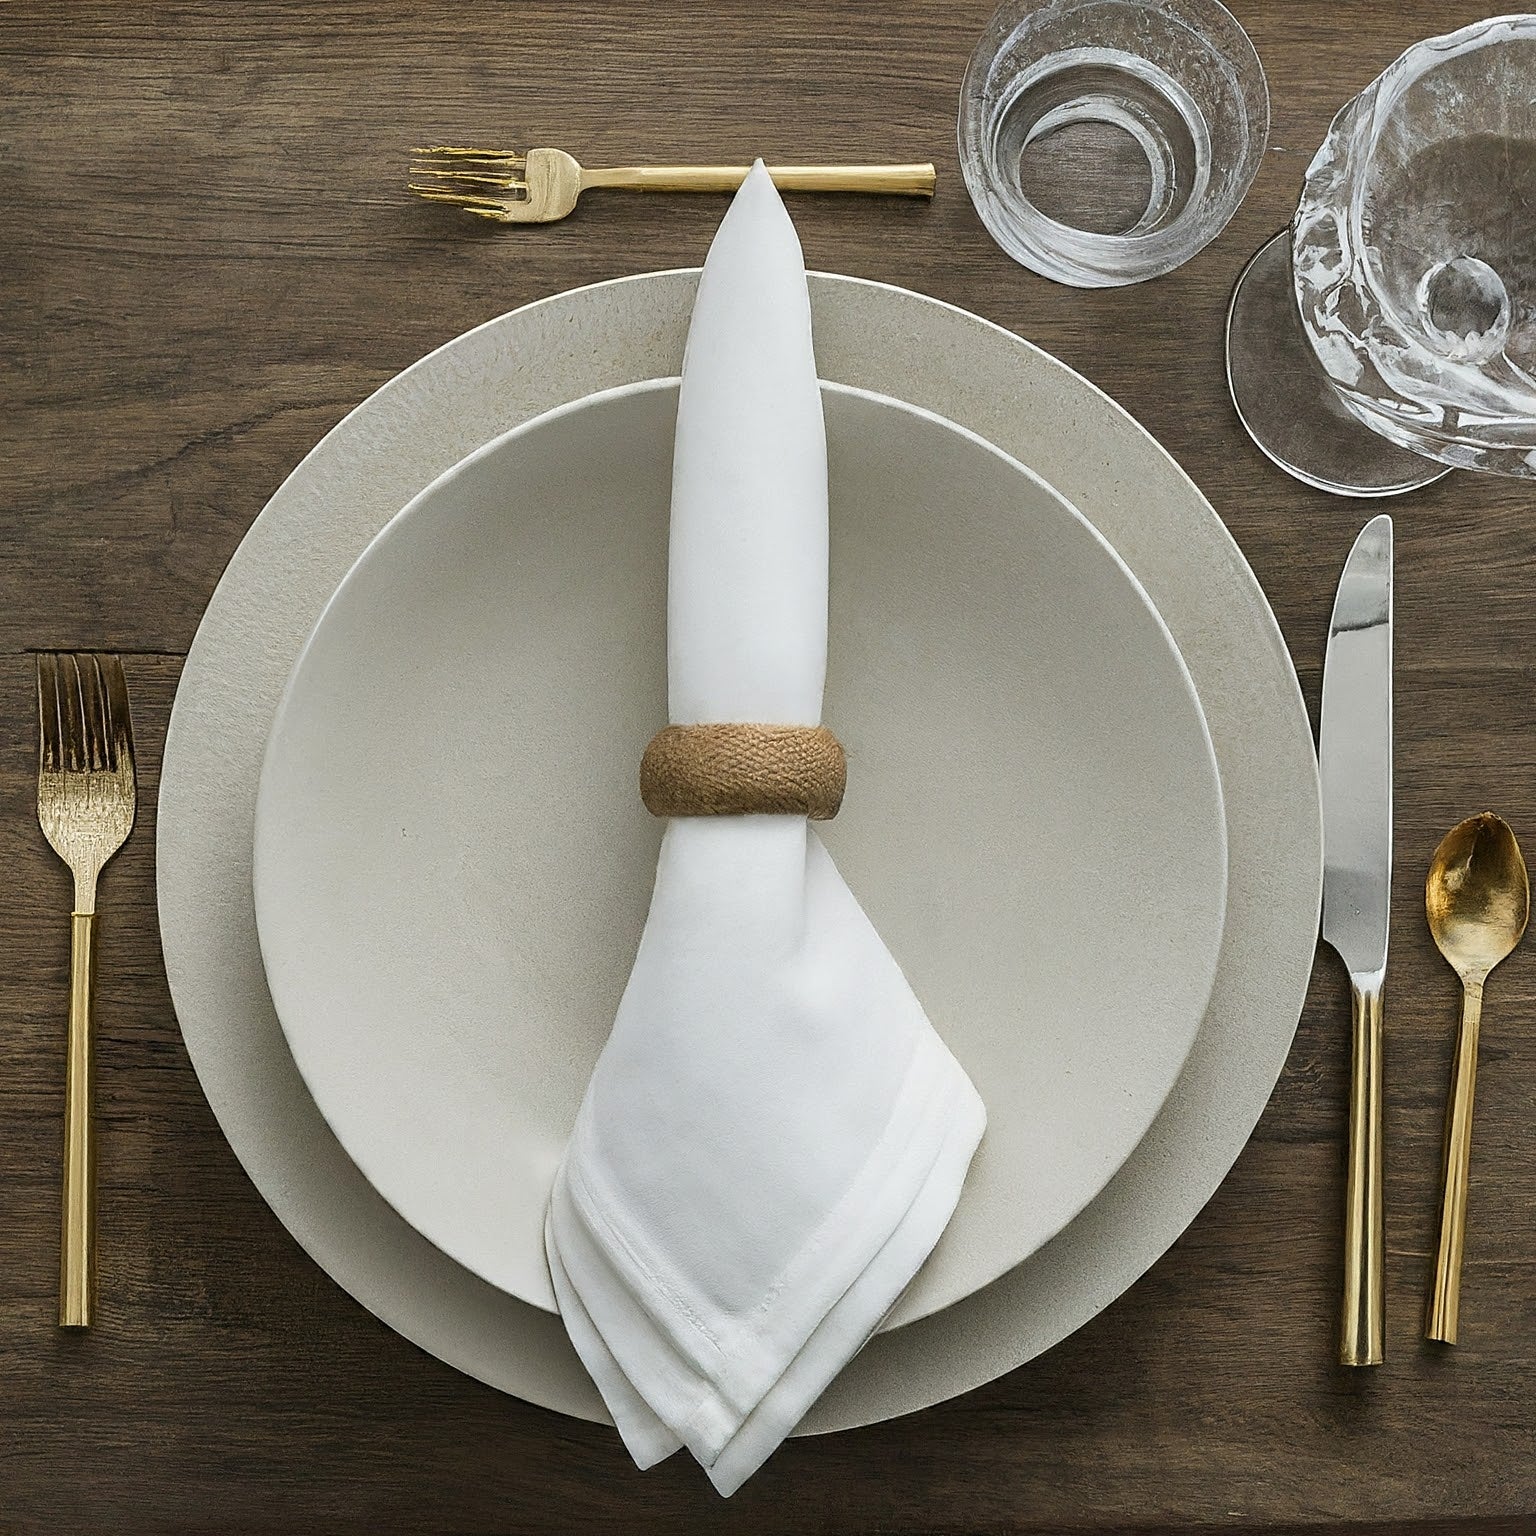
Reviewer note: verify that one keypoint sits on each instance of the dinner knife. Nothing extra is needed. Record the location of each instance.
(1355, 761)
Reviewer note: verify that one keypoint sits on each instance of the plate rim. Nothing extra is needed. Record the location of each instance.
(266, 896)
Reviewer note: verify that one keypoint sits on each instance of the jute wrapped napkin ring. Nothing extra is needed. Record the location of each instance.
(744, 770)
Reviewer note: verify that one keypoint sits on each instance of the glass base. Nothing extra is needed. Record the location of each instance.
(1288, 403)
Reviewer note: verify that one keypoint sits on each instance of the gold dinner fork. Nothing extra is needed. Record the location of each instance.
(85, 801)
(542, 185)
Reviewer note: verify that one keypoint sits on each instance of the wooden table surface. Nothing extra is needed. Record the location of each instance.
(207, 259)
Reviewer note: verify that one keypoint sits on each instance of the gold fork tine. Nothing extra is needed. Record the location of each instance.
(71, 714)
(490, 159)
(93, 714)
(447, 151)
(488, 207)
(49, 724)
(85, 719)
(436, 194)
(481, 177)
(119, 717)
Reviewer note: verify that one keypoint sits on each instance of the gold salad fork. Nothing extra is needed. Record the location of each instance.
(542, 185)
(85, 801)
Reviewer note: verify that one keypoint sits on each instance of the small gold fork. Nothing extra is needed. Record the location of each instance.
(86, 799)
(542, 185)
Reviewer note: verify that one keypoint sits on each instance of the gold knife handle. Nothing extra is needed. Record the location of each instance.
(1445, 1298)
(895, 180)
(77, 1259)
(1361, 1334)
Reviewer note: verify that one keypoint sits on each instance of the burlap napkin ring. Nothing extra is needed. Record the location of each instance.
(744, 770)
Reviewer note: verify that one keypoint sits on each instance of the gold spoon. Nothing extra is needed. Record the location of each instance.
(1478, 899)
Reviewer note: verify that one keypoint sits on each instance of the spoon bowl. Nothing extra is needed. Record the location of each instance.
(1478, 896)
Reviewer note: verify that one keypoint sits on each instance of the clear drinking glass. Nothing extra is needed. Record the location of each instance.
(1414, 250)
(1177, 96)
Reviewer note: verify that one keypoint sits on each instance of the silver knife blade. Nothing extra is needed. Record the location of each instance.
(1355, 756)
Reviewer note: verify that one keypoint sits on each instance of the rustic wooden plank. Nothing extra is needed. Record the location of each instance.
(209, 259)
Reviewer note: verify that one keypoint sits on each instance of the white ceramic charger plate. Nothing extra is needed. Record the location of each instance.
(563, 348)
(452, 865)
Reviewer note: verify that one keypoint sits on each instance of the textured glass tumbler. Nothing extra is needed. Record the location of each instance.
(1177, 82)
(1414, 249)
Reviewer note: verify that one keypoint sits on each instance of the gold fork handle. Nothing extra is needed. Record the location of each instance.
(1361, 1332)
(77, 1259)
(1443, 1316)
(897, 180)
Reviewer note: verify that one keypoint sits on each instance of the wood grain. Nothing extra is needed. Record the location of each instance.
(208, 259)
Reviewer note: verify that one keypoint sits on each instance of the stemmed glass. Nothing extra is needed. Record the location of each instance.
(1404, 298)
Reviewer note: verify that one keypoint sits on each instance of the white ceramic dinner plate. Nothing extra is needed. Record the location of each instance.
(453, 865)
(525, 363)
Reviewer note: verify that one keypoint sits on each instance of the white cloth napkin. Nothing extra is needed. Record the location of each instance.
(774, 1137)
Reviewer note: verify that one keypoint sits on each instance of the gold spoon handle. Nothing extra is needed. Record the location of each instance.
(897, 180)
(1360, 1336)
(1445, 1297)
